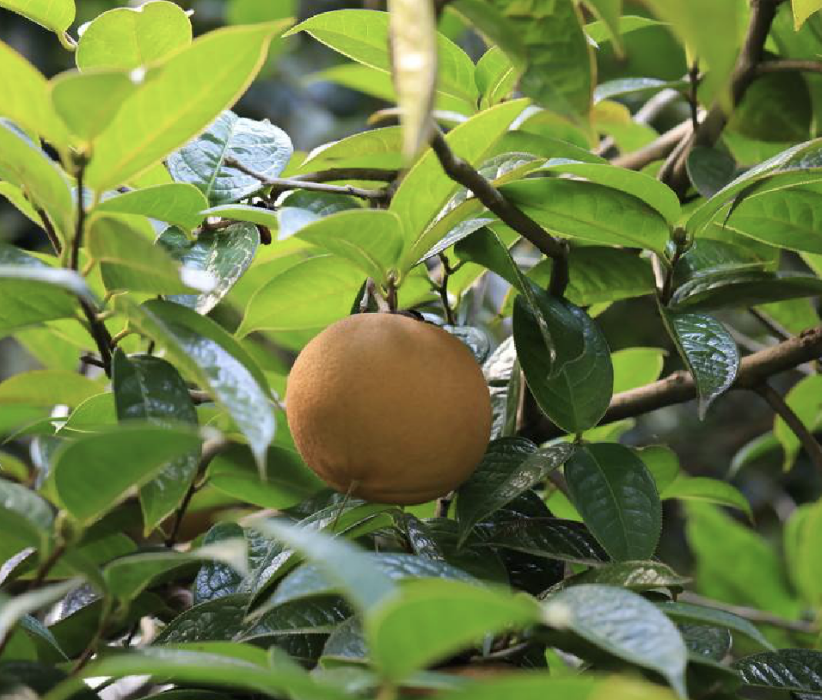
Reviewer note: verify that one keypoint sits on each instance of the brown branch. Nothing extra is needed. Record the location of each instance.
(679, 387)
(774, 328)
(51, 233)
(461, 172)
(336, 174)
(98, 330)
(284, 184)
(788, 66)
(755, 615)
(77, 240)
(794, 422)
(656, 150)
(674, 173)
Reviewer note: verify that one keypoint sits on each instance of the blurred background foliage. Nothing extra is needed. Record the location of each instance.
(315, 111)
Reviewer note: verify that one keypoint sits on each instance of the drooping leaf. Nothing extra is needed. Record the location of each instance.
(688, 612)
(616, 496)
(623, 624)
(91, 477)
(223, 255)
(708, 350)
(128, 38)
(258, 145)
(202, 351)
(179, 102)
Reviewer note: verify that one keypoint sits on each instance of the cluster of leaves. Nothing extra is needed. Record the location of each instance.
(194, 250)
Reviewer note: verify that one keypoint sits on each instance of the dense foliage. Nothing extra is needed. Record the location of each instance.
(573, 189)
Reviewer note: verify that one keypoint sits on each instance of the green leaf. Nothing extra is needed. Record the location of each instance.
(617, 498)
(223, 255)
(128, 38)
(495, 75)
(576, 394)
(204, 665)
(510, 467)
(258, 145)
(26, 99)
(655, 194)
(805, 398)
(89, 487)
(600, 33)
(590, 211)
(535, 686)
(130, 262)
(552, 538)
(560, 70)
(413, 42)
(687, 612)
(25, 165)
(307, 297)
(179, 102)
(635, 367)
(368, 238)
(797, 670)
(55, 15)
(376, 148)
(362, 35)
(802, 9)
(426, 189)
(13, 609)
(177, 204)
(47, 388)
(36, 294)
(723, 289)
(427, 621)
(710, 170)
(347, 566)
(609, 12)
(204, 353)
(245, 212)
(503, 375)
(708, 350)
(802, 560)
(25, 513)
(633, 575)
(623, 624)
(702, 488)
(599, 275)
(87, 102)
(149, 388)
(287, 483)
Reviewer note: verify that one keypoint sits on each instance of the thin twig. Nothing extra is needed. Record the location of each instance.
(77, 240)
(656, 150)
(444, 505)
(788, 66)
(47, 566)
(284, 184)
(755, 615)
(51, 233)
(442, 290)
(99, 332)
(679, 387)
(461, 172)
(337, 174)
(774, 328)
(794, 422)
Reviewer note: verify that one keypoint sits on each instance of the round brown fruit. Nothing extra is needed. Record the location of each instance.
(388, 408)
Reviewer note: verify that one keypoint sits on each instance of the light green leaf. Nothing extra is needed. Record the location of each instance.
(413, 42)
(802, 9)
(245, 212)
(25, 165)
(623, 624)
(702, 488)
(426, 188)
(47, 388)
(428, 620)
(180, 102)
(805, 398)
(86, 481)
(258, 145)
(708, 350)
(362, 35)
(806, 528)
(56, 15)
(25, 513)
(495, 75)
(25, 97)
(591, 212)
(87, 102)
(376, 148)
(635, 367)
(368, 238)
(223, 255)
(177, 204)
(600, 33)
(128, 37)
(130, 262)
(609, 12)
(308, 296)
(617, 497)
(642, 186)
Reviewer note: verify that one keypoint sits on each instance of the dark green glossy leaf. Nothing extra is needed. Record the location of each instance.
(616, 496)
(503, 375)
(224, 255)
(510, 467)
(317, 616)
(633, 575)
(710, 170)
(91, 476)
(708, 350)
(204, 352)
(688, 612)
(623, 624)
(477, 561)
(744, 289)
(797, 670)
(258, 145)
(706, 641)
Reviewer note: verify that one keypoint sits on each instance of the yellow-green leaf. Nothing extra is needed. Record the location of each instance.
(56, 15)
(802, 9)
